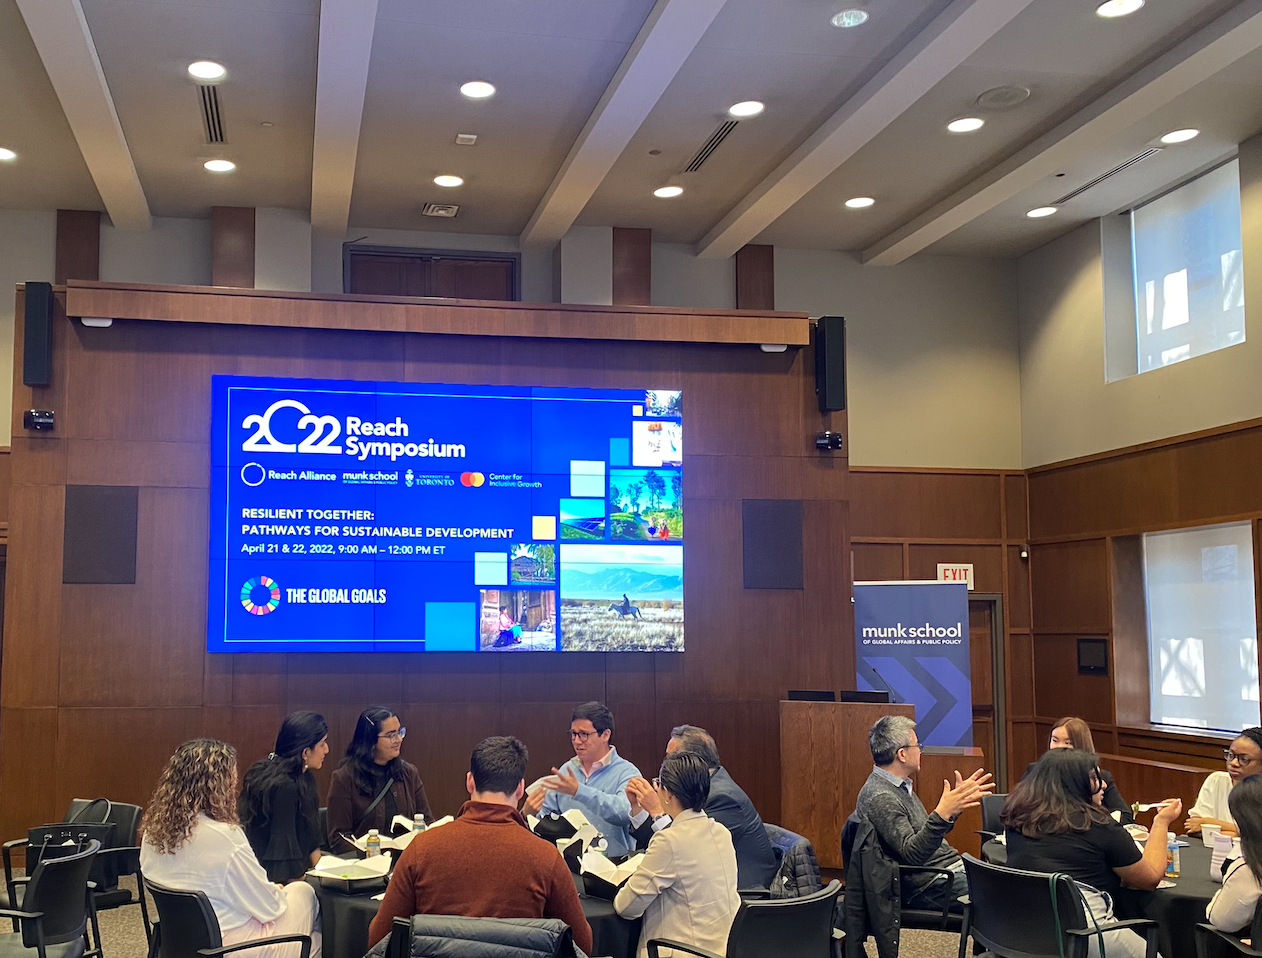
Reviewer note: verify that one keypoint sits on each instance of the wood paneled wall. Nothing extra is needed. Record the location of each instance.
(1086, 517)
(100, 682)
(903, 522)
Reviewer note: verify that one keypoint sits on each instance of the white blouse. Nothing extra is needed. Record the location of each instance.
(1212, 801)
(218, 860)
(1231, 908)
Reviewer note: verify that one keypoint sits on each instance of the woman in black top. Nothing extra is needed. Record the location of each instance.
(1055, 822)
(277, 807)
(1073, 732)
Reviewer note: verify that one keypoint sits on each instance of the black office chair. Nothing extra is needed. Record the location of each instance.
(58, 910)
(1020, 914)
(1212, 943)
(187, 928)
(783, 927)
(992, 827)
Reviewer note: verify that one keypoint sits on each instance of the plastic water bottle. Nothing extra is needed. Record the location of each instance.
(373, 847)
(1172, 857)
(418, 823)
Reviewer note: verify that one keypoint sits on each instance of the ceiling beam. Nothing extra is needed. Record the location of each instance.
(65, 46)
(346, 30)
(950, 39)
(1195, 60)
(670, 33)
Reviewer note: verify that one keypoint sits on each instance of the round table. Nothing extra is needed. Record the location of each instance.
(1176, 910)
(345, 920)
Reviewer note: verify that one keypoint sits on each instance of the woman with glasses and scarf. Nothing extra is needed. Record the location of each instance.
(1244, 758)
(372, 783)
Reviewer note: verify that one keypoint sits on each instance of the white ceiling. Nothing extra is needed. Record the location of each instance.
(560, 68)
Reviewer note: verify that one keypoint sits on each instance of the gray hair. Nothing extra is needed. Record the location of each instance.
(887, 736)
(697, 741)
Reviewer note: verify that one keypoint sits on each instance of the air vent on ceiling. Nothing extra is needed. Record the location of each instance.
(439, 209)
(212, 119)
(1104, 176)
(710, 145)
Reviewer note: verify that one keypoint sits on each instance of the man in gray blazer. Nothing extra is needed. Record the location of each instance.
(728, 805)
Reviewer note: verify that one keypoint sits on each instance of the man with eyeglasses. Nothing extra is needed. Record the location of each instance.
(1244, 758)
(909, 834)
(594, 781)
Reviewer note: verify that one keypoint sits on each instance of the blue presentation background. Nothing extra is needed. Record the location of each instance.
(533, 432)
(936, 679)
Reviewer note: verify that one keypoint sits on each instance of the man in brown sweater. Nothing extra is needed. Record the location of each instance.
(487, 863)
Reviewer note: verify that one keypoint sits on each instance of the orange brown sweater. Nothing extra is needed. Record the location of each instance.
(485, 864)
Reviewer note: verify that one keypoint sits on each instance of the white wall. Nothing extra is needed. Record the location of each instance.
(28, 243)
(587, 265)
(282, 249)
(174, 252)
(931, 349)
(1067, 409)
(680, 278)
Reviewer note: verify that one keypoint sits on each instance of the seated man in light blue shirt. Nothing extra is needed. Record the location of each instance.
(594, 781)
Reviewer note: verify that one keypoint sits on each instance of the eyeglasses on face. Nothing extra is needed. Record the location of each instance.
(577, 735)
(1237, 757)
(396, 736)
(911, 746)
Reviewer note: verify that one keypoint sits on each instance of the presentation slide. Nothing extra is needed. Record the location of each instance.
(373, 516)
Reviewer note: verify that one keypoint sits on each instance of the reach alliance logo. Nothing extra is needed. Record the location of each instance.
(260, 595)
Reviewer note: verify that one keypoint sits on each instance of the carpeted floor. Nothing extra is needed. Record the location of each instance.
(122, 936)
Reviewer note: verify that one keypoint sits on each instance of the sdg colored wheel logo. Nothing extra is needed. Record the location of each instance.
(260, 596)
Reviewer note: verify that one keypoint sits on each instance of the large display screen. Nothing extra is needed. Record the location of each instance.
(367, 516)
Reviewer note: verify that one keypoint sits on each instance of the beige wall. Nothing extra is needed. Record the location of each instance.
(931, 354)
(1067, 409)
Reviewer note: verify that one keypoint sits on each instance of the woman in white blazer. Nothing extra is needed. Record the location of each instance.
(686, 885)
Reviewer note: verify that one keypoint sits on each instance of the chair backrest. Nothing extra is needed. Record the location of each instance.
(186, 922)
(992, 805)
(59, 890)
(1015, 913)
(785, 927)
(126, 821)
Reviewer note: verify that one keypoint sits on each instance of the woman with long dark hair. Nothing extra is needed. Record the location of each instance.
(191, 841)
(1055, 822)
(372, 783)
(1231, 909)
(1243, 758)
(278, 803)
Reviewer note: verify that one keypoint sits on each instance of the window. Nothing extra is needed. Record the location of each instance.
(1202, 630)
(1184, 276)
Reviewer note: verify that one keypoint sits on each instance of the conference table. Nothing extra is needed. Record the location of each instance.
(345, 919)
(1176, 910)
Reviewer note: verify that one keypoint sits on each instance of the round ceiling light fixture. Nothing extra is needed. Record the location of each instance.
(1112, 9)
(853, 17)
(666, 192)
(966, 124)
(860, 202)
(448, 180)
(206, 70)
(1039, 212)
(477, 90)
(1179, 136)
(220, 166)
(7, 155)
(746, 108)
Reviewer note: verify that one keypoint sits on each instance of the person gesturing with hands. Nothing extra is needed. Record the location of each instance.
(965, 793)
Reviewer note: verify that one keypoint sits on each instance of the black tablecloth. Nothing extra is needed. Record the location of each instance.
(345, 920)
(1176, 910)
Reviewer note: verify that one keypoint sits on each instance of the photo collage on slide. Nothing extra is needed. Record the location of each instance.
(606, 572)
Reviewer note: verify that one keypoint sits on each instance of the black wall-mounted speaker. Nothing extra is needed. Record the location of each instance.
(37, 338)
(830, 363)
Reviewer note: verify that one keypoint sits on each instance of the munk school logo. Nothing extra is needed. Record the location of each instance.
(260, 595)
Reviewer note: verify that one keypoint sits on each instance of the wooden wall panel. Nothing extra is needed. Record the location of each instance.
(877, 561)
(1016, 507)
(1070, 588)
(987, 563)
(756, 277)
(78, 253)
(232, 246)
(1024, 747)
(925, 505)
(1020, 668)
(1018, 606)
(1058, 688)
(632, 267)
(1107, 495)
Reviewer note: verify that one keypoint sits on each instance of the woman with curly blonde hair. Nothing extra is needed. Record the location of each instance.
(192, 842)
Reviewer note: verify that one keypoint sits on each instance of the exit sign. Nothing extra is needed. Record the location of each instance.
(960, 572)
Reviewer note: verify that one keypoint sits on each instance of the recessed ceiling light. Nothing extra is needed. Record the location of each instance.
(448, 180)
(7, 155)
(666, 192)
(206, 70)
(746, 108)
(1040, 212)
(466, 139)
(267, 124)
(1118, 8)
(850, 18)
(1180, 136)
(477, 89)
(860, 202)
(220, 166)
(966, 124)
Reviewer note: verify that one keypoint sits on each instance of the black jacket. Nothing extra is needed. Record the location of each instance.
(873, 896)
(1113, 799)
(728, 805)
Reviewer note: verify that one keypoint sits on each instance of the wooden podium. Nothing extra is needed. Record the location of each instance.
(825, 759)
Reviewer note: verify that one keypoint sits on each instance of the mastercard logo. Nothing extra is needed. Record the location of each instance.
(472, 479)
